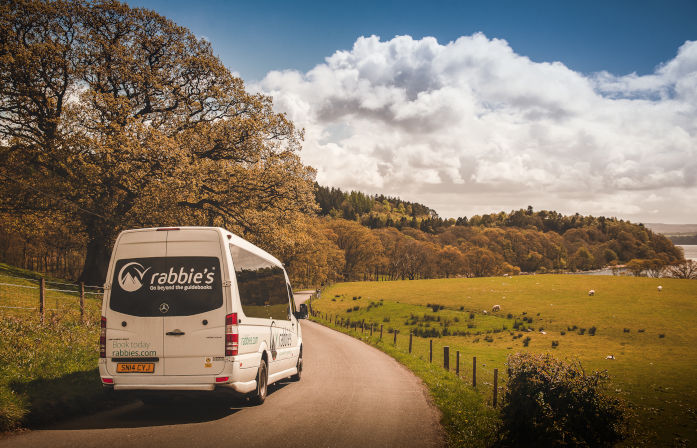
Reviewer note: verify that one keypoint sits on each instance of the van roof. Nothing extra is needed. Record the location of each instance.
(231, 237)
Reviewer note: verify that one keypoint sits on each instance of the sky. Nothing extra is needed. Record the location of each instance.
(471, 108)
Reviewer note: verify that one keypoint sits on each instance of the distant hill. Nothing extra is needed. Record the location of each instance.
(672, 229)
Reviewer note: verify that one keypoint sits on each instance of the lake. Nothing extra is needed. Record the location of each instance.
(690, 251)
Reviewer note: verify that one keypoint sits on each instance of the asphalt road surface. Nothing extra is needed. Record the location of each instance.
(350, 395)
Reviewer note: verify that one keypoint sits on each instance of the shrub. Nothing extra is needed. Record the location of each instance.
(563, 332)
(471, 315)
(456, 319)
(356, 308)
(581, 331)
(509, 316)
(489, 339)
(386, 319)
(526, 341)
(555, 344)
(592, 330)
(333, 300)
(661, 335)
(641, 330)
(548, 402)
(348, 310)
(626, 330)
(462, 308)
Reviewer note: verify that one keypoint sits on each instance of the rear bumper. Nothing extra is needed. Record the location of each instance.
(241, 380)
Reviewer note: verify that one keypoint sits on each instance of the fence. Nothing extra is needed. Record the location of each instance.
(463, 364)
(20, 295)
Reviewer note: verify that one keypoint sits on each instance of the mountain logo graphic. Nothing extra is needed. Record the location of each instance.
(131, 276)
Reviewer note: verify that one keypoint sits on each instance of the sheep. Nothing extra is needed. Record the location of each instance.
(610, 357)
(591, 292)
(660, 288)
(485, 312)
(496, 308)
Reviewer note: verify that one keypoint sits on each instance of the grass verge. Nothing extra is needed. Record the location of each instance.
(466, 417)
(48, 369)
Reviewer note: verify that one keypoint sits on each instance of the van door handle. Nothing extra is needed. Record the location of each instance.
(175, 333)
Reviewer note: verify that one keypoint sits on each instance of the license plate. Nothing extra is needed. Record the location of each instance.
(135, 367)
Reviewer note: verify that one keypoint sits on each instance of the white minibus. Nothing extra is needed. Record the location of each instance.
(196, 308)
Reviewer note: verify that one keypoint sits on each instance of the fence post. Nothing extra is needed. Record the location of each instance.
(474, 371)
(395, 337)
(42, 298)
(446, 357)
(457, 363)
(411, 335)
(82, 301)
(371, 329)
(381, 332)
(496, 385)
(430, 350)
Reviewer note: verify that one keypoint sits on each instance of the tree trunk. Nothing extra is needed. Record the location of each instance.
(96, 260)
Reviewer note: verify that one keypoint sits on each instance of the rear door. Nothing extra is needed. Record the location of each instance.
(192, 288)
(134, 322)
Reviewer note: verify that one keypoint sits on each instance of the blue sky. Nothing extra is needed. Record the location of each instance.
(621, 37)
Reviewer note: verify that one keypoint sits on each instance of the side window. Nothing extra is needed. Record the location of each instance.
(292, 299)
(261, 285)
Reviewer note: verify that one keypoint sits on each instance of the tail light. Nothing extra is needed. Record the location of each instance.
(232, 335)
(102, 339)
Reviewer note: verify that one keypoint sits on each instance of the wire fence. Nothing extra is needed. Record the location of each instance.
(480, 372)
(22, 295)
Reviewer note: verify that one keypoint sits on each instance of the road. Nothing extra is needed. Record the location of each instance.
(350, 395)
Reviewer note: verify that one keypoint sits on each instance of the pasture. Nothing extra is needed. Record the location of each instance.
(651, 334)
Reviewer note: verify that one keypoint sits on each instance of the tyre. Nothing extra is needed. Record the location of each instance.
(259, 395)
(298, 375)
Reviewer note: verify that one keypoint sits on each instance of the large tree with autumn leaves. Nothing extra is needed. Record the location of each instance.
(117, 117)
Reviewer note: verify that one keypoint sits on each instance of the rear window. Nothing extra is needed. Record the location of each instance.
(166, 286)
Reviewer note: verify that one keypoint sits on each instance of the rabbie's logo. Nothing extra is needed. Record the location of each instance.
(131, 276)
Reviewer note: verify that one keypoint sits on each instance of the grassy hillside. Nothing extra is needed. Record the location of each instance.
(48, 370)
(651, 334)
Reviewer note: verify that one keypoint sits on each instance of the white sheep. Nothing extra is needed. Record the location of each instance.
(485, 312)
(591, 292)
(496, 308)
(660, 288)
(610, 357)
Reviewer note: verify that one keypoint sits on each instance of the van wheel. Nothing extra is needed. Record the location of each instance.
(259, 395)
(298, 375)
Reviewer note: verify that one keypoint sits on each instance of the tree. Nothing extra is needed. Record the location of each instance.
(362, 249)
(687, 269)
(450, 261)
(118, 117)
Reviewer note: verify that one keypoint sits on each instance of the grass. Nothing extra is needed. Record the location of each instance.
(47, 369)
(654, 364)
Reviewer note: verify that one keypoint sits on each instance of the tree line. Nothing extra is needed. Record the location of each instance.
(114, 117)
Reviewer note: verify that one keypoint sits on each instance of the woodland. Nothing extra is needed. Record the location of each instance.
(114, 117)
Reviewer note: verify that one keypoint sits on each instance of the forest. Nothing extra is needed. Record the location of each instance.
(114, 117)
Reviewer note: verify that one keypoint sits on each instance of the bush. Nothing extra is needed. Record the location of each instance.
(581, 331)
(471, 315)
(526, 341)
(661, 335)
(563, 332)
(386, 319)
(509, 316)
(592, 330)
(552, 403)
(348, 310)
(555, 344)
(626, 330)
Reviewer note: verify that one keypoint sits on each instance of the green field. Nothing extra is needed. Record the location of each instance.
(652, 335)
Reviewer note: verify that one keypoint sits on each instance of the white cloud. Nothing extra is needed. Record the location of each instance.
(471, 127)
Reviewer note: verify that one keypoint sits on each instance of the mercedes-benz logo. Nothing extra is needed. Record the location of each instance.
(164, 308)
